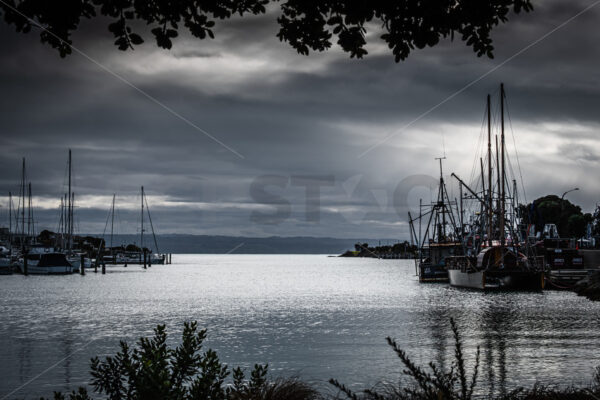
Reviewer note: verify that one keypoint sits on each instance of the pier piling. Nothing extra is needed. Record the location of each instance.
(144, 259)
(25, 272)
(82, 266)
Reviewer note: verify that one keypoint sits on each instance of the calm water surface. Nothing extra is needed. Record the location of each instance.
(316, 317)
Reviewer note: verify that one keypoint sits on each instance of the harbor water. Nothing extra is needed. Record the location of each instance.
(310, 316)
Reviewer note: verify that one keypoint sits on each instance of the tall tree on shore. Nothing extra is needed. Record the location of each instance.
(551, 209)
(305, 25)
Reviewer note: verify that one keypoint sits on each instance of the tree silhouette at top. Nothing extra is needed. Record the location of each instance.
(305, 24)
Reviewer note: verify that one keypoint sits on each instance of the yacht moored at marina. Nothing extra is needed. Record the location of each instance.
(45, 264)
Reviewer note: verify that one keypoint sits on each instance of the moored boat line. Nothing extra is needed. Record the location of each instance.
(62, 253)
(483, 242)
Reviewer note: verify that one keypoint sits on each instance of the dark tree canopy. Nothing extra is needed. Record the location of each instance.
(305, 24)
(551, 209)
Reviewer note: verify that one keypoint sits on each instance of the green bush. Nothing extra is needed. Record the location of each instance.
(153, 371)
(436, 384)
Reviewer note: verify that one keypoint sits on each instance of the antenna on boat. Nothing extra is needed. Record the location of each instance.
(10, 226)
(440, 202)
(489, 154)
(503, 193)
(112, 223)
(23, 208)
(142, 225)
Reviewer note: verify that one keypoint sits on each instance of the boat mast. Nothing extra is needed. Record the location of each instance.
(112, 224)
(490, 212)
(29, 212)
(72, 221)
(151, 225)
(69, 210)
(503, 194)
(442, 228)
(23, 207)
(10, 226)
(462, 225)
(60, 221)
(483, 211)
(65, 237)
(498, 178)
(142, 230)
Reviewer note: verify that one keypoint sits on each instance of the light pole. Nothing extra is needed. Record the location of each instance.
(568, 191)
(562, 205)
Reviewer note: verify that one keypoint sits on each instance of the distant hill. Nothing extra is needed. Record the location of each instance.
(205, 244)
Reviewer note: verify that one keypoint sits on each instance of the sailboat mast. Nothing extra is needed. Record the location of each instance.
(151, 225)
(29, 212)
(65, 236)
(112, 223)
(490, 212)
(70, 209)
(23, 207)
(71, 219)
(10, 225)
(503, 193)
(142, 230)
(60, 221)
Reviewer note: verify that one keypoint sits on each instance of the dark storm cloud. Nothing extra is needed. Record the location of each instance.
(289, 116)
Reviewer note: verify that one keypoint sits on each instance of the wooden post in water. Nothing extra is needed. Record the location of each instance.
(150, 259)
(82, 266)
(144, 251)
(103, 268)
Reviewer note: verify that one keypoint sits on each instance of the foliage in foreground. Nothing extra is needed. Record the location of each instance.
(305, 25)
(153, 371)
(436, 384)
(456, 384)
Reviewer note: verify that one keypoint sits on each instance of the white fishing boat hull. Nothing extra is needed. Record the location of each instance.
(473, 280)
(504, 280)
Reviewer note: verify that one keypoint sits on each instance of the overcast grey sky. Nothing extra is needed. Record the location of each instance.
(293, 117)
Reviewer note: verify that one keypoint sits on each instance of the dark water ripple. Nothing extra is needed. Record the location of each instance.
(311, 316)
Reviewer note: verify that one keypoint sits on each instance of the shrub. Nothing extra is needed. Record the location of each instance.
(436, 384)
(153, 371)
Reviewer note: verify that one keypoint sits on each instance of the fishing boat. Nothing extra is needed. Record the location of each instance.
(438, 235)
(495, 267)
(497, 257)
